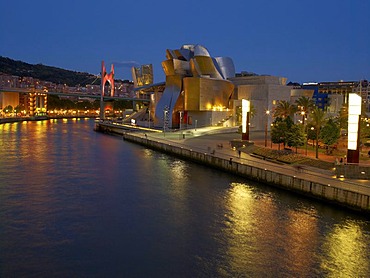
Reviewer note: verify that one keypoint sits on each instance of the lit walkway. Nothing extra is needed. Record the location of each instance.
(201, 141)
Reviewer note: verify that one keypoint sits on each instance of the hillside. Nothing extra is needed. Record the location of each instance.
(46, 73)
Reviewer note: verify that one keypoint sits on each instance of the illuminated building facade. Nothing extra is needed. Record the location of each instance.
(143, 75)
(197, 91)
(264, 93)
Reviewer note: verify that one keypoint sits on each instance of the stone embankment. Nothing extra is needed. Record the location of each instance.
(345, 193)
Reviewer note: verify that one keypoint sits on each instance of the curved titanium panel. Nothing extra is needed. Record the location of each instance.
(192, 70)
(186, 53)
(168, 67)
(168, 99)
(201, 51)
(181, 67)
(225, 66)
(205, 67)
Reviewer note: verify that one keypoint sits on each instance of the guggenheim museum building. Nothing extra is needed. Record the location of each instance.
(201, 90)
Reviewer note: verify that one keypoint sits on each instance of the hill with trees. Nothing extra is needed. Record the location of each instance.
(46, 73)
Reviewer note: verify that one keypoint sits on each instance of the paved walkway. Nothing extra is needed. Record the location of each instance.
(210, 141)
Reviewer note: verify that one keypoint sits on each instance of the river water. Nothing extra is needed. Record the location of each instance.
(76, 203)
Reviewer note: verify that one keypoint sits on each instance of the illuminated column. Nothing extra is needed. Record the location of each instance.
(354, 115)
(245, 119)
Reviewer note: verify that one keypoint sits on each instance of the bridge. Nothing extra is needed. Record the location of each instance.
(37, 98)
(77, 94)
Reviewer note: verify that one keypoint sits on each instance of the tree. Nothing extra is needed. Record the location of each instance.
(8, 109)
(295, 136)
(305, 105)
(343, 116)
(330, 133)
(364, 130)
(280, 131)
(317, 121)
(284, 109)
(17, 109)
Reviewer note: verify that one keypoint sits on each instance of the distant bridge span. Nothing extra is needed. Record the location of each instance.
(39, 91)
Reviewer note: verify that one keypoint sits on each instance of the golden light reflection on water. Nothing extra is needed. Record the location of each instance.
(245, 231)
(178, 173)
(257, 233)
(346, 252)
(302, 230)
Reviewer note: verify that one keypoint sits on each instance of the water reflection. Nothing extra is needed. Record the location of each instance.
(265, 239)
(74, 202)
(347, 251)
(250, 229)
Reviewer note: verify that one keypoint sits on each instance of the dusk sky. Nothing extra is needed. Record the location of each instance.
(304, 41)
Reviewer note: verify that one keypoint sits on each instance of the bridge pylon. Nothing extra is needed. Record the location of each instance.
(105, 77)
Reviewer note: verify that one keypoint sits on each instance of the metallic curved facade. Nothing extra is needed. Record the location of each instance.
(194, 82)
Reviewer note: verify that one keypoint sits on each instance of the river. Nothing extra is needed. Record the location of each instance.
(76, 203)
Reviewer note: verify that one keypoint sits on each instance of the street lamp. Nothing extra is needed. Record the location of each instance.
(303, 116)
(312, 128)
(165, 119)
(180, 118)
(266, 122)
(149, 117)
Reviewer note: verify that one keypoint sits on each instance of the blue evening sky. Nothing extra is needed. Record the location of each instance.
(316, 40)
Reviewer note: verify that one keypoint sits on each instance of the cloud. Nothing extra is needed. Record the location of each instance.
(126, 64)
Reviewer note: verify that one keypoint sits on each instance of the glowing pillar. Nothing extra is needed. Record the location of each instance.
(354, 115)
(245, 119)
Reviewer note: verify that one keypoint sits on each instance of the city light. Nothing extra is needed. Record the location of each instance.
(245, 110)
(354, 110)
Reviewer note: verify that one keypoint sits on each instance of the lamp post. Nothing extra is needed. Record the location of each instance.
(266, 122)
(271, 125)
(180, 118)
(312, 128)
(303, 116)
(165, 119)
(149, 118)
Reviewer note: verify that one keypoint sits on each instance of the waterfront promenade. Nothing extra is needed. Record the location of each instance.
(210, 140)
(205, 146)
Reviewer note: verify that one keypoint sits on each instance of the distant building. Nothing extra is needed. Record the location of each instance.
(330, 96)
(264, 92)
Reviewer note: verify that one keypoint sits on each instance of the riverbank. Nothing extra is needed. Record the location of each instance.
(41, 118)
(212, 147)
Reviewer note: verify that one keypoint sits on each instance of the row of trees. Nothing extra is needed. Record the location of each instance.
(319, 126)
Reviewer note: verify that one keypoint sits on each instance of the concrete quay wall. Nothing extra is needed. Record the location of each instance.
(339, 196)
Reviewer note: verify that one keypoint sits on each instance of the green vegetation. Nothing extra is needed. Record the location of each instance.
(288, 157)
(46, 73)
(330, 133)
(8, 109)
(286, 132)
